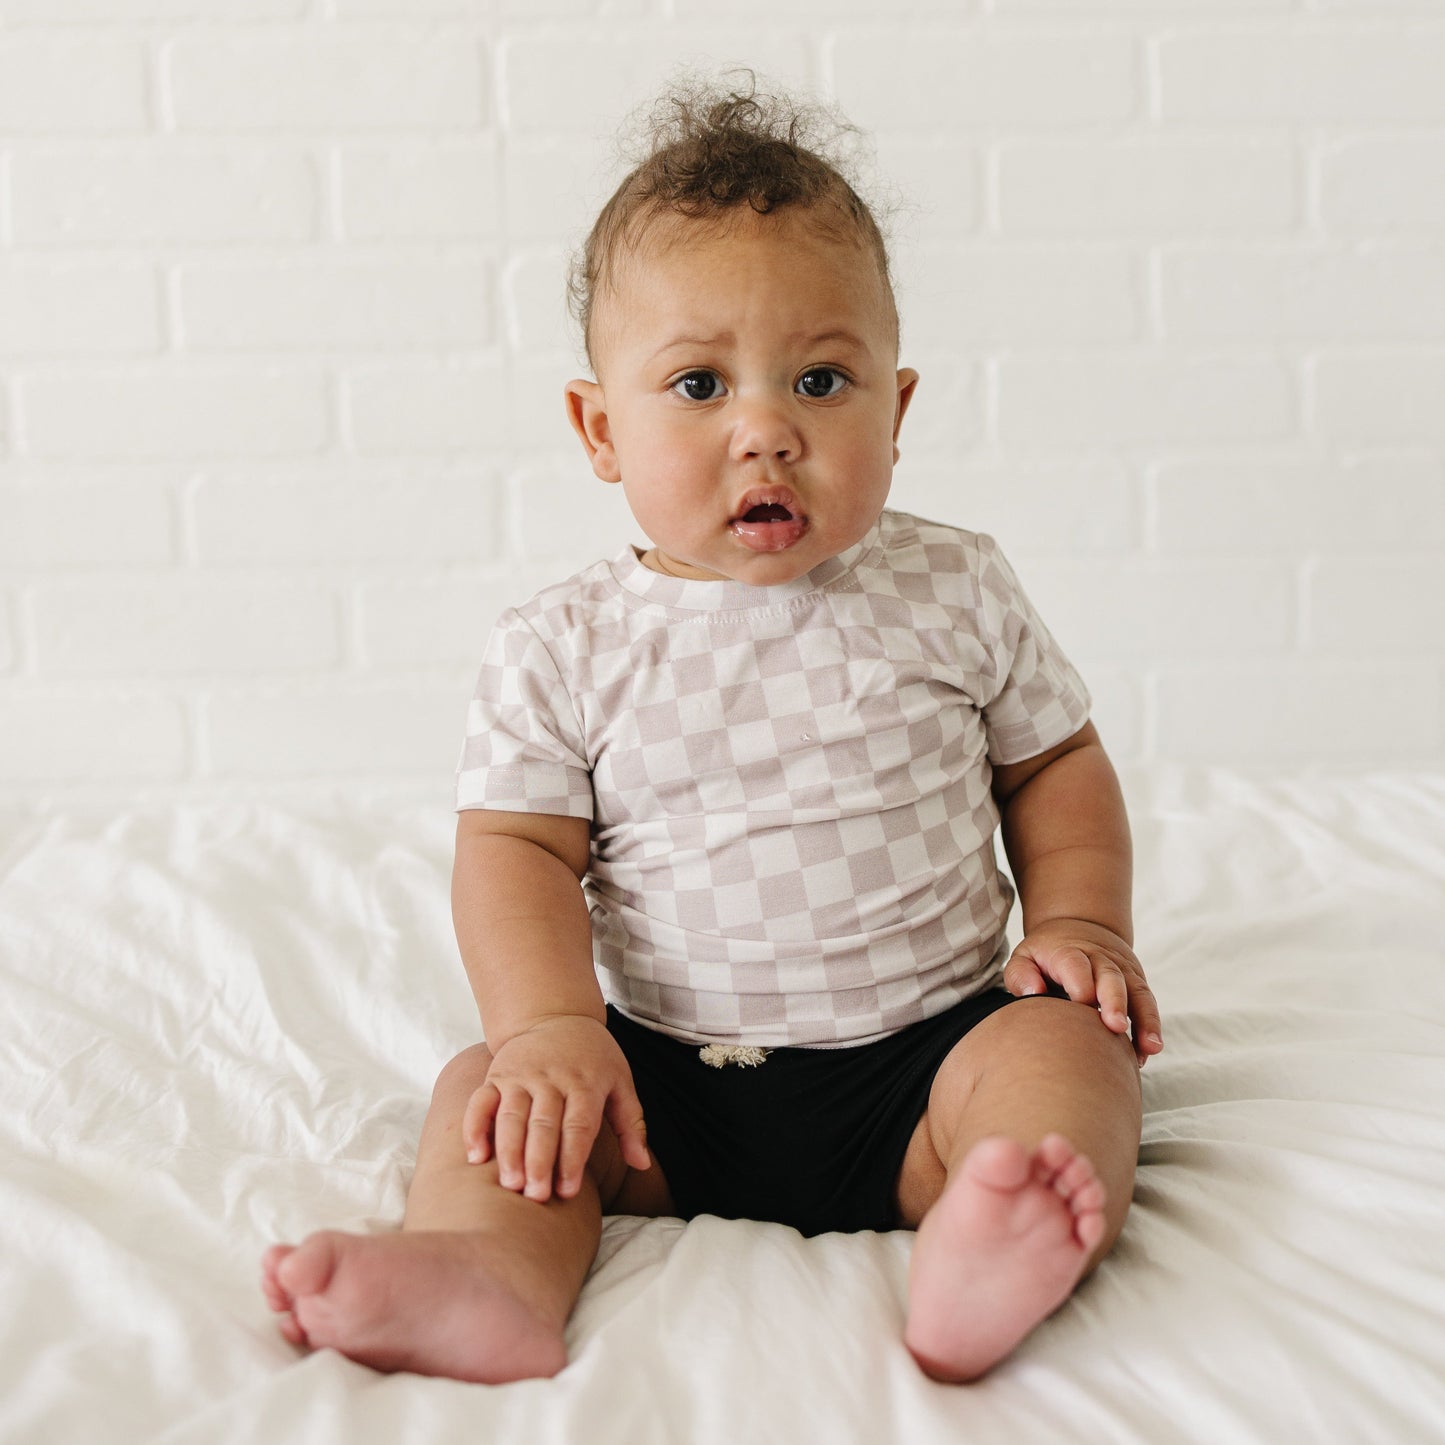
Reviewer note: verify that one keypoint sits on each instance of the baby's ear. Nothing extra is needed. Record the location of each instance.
(587, 411)
(907, 385)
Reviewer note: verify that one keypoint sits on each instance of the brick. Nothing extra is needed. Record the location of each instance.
(145, 194)
(441, 623)
(1050, 507)
(1112, 400)
(427, 409)
(1018, 294)
(1170, 186)
(556, 188)
(563, 514)
(377, 81)
(1380, 399)
(1301, 508)
(423, 191)
(71, 86)
(579, 9)
(1146, 610)
(947, 410)
(348, 519)
(1372, 185)
(126, 12)
(1375, 7)
(409, 9)
(992, 78)
(49, 309)
(534, 290)
(1304, 293)
(1113, 8)
(164, 627)
(1119, 712)
(195, 412)
(372, 731)
(82, 523)
(538, 411)
(1375, 607)
(92, 737)
(937, 185)
(831, 11)
(1307, 715)
(1298, 73)
(334, 303)
(556, 84)
(9, 653)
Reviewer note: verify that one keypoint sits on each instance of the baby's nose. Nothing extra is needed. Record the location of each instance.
(763, 429)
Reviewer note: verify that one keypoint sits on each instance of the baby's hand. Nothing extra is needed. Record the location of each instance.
(543, 1103)
(1092, 965)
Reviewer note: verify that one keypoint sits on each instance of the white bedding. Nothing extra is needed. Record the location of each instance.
(222, 1022)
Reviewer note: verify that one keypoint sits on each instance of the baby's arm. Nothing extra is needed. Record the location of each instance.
(526, 941)
(1067, 839)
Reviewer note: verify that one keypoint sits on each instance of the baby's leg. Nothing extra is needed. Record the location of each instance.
(1017, 1179)
(480, 1282)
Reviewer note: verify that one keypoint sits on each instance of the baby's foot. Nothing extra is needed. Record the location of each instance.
(1002, 1248)
(430, 1303)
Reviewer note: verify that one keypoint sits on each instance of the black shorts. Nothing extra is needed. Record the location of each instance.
(813, 1138)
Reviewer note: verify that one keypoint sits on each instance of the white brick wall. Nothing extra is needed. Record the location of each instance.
(282, 341)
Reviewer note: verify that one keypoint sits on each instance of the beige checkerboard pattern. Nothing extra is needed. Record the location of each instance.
(788, 786)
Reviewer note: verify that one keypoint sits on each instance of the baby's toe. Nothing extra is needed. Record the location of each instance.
(998, 1163)
(271, 1287)
(307, 1269)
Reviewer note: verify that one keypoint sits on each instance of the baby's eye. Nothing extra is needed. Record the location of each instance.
(822, 381)
(699, 385)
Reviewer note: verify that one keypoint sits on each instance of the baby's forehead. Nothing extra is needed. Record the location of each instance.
(655, 245)
(663, 232)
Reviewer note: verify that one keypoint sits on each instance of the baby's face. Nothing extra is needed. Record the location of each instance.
(748, 397)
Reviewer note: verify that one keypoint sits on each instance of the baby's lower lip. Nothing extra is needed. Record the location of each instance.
(769, 536)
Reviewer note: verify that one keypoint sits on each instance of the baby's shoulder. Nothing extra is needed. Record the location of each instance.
(575, 604)
(954, 563)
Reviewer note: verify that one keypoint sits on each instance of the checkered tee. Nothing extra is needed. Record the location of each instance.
(792, 828)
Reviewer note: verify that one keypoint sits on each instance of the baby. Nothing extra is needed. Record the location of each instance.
(725, 885)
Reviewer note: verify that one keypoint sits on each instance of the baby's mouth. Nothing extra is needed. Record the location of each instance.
(769, 520)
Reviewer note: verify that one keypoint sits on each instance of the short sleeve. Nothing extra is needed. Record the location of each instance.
(1040, 700)
(524, 751)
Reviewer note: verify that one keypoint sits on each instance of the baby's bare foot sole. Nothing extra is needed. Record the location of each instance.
(428, 1303)
(1002, 1248)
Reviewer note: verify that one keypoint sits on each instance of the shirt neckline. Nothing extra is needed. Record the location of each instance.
(687, 595)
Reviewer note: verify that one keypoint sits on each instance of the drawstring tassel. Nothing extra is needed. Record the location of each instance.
(717, 1055)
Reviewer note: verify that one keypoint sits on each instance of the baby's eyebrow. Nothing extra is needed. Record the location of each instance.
(725, 339)
(810, 339)
(819, 338)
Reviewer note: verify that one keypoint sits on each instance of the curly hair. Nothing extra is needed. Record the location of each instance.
(707, 151)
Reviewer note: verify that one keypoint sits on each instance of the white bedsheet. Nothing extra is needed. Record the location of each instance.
(222, 1022)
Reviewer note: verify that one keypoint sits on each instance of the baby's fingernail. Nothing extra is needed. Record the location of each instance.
(1155, 1040)
(474, 1155)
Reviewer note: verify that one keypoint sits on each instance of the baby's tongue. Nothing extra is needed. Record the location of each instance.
(769, 527)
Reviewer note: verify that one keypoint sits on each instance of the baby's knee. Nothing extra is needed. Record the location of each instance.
(463, 1075)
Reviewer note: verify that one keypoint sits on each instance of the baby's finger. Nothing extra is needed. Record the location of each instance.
(624, 1113)
(477, 1123)
(581, 1120)
(1021, 976)
(1148, 1031)
(510, 1135)
(544, 1134)
(1071, 969)
(1113, 993)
